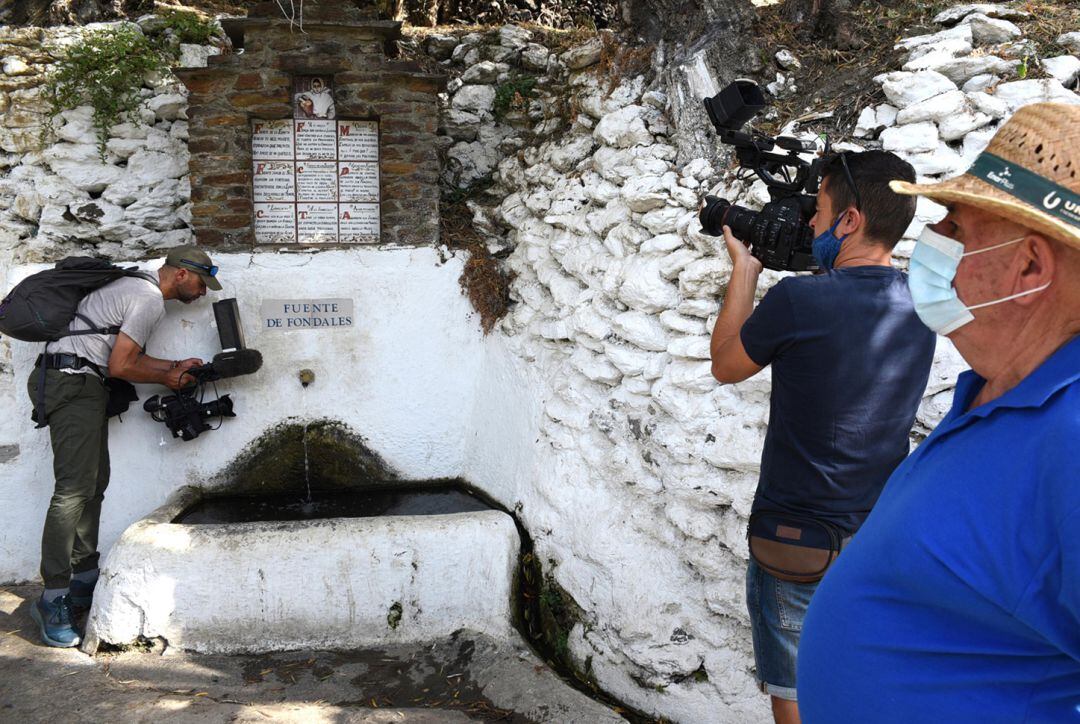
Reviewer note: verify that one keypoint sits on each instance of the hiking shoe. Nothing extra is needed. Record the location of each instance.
(54, 620)
(80, 594)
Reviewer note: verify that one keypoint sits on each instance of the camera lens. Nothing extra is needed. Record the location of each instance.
(712, 215)
(741, 220)
(718, 213)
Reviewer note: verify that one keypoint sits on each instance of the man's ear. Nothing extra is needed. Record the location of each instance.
(850, 222)
(1037, 259)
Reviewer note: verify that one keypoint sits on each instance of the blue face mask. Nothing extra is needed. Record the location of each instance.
(827, 245)
(930, 278)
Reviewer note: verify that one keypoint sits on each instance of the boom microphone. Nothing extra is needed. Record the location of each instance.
(229, 364)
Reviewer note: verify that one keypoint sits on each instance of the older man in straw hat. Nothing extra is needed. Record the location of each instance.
(959, 600)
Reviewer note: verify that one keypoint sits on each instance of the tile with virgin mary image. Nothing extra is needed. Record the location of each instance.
(313, 96)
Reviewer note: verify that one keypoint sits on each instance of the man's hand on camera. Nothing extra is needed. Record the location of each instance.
(178, 377)
(740, 253)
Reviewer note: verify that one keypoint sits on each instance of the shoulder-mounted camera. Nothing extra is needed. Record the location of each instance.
(779, 235)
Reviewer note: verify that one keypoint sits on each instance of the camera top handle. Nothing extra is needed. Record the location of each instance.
(769, 166)
(729, 110)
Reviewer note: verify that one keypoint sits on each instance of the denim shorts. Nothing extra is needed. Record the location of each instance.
(777, 609)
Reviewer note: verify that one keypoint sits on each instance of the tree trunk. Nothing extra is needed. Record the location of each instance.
(701, 46)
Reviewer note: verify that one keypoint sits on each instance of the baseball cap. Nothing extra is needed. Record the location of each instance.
(195, 260)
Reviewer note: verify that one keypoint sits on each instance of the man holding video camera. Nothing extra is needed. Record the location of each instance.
(850, 361)
(75, 398)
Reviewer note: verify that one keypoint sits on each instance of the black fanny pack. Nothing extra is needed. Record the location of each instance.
(121, 395)
(791, 547)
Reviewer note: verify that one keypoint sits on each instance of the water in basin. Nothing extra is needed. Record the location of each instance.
(397, 499)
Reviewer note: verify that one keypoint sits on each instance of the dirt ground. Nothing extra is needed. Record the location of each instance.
(840, 79)
(468, 677)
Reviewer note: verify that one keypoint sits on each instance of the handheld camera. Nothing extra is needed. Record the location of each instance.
(185, 413)
(779, 235)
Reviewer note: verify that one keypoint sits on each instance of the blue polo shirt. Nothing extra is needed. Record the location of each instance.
(959, 600)
(850, 360)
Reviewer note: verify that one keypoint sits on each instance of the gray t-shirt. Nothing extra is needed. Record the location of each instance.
(135, 305)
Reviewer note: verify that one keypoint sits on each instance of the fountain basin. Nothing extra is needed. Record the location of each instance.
(324, 583)
(388, 500)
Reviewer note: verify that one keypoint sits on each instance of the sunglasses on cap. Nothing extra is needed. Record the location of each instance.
(206, 269)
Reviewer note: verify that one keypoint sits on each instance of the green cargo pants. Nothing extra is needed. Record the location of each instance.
(75, 405)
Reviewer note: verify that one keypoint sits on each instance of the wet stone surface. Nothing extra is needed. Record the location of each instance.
(466, 677)
(398, 677)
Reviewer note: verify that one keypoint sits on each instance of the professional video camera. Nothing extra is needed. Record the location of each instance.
(779, 235)
(185, 413)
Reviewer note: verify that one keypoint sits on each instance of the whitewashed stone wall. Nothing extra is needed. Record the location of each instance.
(592, 410)
(617, 292)
(65, 198)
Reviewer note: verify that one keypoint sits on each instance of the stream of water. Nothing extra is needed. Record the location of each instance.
(307, 465)
(308, 506)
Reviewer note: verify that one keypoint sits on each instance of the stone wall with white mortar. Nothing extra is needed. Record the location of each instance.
(653, 465)
(63, 197)
(591, 410)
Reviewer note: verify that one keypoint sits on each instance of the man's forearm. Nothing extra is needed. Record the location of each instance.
(145, 368)
(737, 307)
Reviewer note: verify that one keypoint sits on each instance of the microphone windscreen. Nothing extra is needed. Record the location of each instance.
(237, 362)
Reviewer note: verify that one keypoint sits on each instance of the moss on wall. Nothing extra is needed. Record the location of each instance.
(334, 455)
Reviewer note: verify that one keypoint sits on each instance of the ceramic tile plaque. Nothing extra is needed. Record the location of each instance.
(315, 181)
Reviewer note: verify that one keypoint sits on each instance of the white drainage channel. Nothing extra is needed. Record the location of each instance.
(337, 583)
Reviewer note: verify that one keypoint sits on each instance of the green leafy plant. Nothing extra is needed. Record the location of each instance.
(188, 27)
(513, 94)
(105, 71)
(552, 599)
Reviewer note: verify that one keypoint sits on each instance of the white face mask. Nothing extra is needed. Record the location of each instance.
(930, 278)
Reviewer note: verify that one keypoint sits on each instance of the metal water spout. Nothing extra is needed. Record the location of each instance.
(306, 377)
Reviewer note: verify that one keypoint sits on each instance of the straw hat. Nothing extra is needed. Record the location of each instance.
(1030, 173)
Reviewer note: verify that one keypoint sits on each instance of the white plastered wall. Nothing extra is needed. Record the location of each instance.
(403, 377)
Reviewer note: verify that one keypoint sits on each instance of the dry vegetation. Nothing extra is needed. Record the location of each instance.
(620, 61)
(1050, 19)
(841, 80)
(483, 280)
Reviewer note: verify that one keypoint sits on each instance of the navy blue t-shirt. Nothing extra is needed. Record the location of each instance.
(850, 360)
